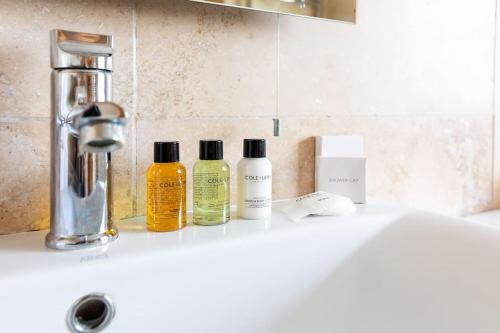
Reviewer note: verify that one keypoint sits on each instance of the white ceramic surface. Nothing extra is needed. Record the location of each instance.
(490, 218)
(386, 269)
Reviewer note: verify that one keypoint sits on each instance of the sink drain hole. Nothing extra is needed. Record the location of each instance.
(91, 313)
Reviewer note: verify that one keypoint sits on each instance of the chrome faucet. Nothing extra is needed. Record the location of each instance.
(85, 128)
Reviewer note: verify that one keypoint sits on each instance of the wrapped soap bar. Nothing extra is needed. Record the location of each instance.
(317, 203)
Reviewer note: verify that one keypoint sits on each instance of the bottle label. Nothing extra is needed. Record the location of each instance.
(262, 202)
(257, 191)
(210, 190)
(165, 196)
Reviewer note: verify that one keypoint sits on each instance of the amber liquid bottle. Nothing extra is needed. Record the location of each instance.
(166, 189)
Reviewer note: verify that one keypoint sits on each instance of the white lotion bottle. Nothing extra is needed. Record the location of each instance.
(254, 181)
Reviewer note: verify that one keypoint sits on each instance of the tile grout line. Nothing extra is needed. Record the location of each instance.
(17, 119)
(134, 107)
(305, 116)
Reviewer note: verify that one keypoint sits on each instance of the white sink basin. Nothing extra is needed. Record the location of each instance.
(387, 269)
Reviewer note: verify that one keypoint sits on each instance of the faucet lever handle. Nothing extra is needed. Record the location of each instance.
(71, 49)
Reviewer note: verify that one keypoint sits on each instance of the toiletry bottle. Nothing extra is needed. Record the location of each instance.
(211, 185)
(166, 189)
(254, 181)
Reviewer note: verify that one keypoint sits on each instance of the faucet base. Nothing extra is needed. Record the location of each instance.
(80, 241)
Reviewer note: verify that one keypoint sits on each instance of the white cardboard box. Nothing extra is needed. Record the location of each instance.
(341, 166)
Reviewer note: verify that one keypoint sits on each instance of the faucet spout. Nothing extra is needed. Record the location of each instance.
(99, 126)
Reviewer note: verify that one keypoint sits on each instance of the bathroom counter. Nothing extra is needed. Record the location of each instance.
(25, 253)
(386, 269)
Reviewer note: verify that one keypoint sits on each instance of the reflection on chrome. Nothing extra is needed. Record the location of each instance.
(86, 127)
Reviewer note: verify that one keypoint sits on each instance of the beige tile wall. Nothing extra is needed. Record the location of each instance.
(414, 78)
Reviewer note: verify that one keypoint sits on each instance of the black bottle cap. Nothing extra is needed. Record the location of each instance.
(211, 150)
(254, 148)
(166, 152)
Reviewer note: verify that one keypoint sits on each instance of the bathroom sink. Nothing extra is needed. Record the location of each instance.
(386, 269)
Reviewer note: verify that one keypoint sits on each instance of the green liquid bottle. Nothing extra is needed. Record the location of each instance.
(211, 185)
